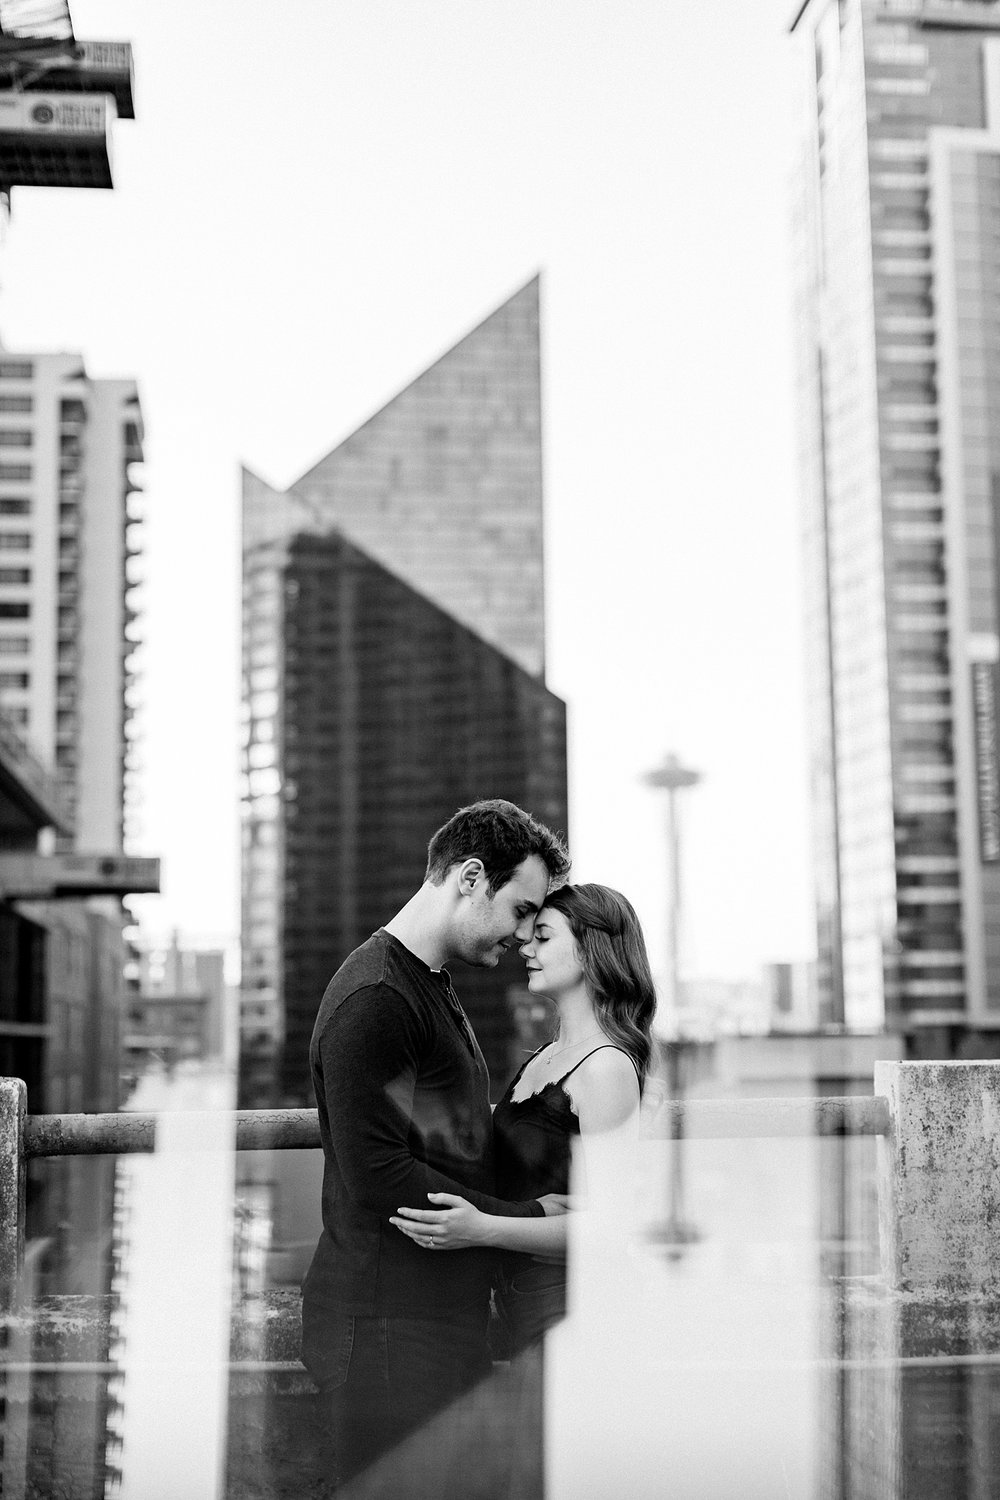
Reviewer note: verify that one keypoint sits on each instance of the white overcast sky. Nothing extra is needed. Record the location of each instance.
(316, 200)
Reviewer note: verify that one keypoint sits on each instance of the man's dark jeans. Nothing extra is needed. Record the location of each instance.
(384, 1377)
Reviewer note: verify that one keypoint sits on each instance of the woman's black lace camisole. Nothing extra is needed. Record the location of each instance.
(532, 1140)
(532, 1146)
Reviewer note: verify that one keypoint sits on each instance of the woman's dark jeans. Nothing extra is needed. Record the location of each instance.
(529, 1298)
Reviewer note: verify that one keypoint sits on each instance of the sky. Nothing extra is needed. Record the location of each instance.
(316, 201)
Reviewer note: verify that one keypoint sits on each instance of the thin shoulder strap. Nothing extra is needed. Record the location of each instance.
(530, 1058)
(602, 1048)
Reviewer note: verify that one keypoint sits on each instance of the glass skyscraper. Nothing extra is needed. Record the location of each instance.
(393, 650)
(897, 264)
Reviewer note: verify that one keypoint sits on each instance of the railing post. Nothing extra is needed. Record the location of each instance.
(939, 1176)
(13, 1103)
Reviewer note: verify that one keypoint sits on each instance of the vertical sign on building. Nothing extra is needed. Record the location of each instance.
(984, 708)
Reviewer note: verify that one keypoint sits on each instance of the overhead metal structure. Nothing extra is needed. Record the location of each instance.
(55, 140)
(59, 98)
(87, 68)
(35, 20)
(54, 877)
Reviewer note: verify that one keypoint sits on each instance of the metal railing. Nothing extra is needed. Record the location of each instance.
(120, 1134)
(296, 1129)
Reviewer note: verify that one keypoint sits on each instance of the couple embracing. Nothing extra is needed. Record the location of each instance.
(431, 1203)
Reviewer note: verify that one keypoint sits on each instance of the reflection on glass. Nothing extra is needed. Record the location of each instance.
(174, 1332)
(768, 1359)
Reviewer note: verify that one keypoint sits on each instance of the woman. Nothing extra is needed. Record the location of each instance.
(588, 955)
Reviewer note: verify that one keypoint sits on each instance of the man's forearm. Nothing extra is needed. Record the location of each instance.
(385, 1182)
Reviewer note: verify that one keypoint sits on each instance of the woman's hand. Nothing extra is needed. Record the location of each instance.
(456, 1225)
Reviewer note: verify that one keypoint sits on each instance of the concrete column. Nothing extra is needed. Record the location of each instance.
(939, 1176)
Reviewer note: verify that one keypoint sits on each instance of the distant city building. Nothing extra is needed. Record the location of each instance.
(897, 259)
(69, 447)
(177, 1011)
(393, 655)
(782, 999)
(790, 996)
(709, 1008)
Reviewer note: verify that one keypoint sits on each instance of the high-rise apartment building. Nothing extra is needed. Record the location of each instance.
(67, 536)
(68, 543)
(897, 258)
(393, 654)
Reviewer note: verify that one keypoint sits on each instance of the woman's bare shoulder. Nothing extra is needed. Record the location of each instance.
(607, 1063)
(606, 1079)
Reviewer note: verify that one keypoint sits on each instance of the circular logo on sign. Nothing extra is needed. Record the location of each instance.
(43, 114)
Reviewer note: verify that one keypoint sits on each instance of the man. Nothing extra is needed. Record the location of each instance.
(391, 1333)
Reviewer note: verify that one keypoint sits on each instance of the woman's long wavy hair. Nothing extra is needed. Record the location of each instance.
(615, 966)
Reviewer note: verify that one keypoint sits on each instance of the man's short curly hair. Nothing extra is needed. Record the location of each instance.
(503, 836)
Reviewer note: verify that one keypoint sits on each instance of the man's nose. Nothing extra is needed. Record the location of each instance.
(524, 929)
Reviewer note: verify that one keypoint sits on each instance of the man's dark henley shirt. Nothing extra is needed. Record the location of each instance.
(403, 1097)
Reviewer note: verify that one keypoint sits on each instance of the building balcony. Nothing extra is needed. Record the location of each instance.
(132, 438)
(911, 442)
(929, 895)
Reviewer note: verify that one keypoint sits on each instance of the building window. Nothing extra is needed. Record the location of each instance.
(15, 471)
(9, 611)
(17, 716)
(16, 369)
(14, 680)
(15, 541)
(15, 575)
(16, 437)
(14, 645)
(11, 507)
(16, 403)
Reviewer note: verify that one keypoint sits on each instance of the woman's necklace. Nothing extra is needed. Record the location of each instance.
(553, 1055)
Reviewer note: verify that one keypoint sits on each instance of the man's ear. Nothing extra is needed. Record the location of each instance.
(470, 873)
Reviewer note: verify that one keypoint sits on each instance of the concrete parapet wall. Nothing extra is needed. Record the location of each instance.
(62, 1392)
(61, 1388)
(939, 1176)
(265, 1328)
